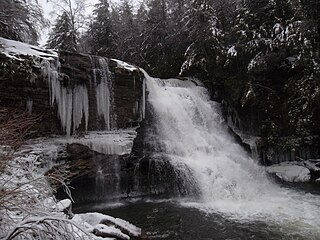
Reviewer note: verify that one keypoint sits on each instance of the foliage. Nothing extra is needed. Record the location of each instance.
(71, 19)
(21, 20)
(23, 191)
(63, 36)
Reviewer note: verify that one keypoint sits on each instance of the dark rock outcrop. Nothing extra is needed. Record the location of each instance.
(23, 86)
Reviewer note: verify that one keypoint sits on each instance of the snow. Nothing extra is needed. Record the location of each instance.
(64, 205)
(290, 172)
(28, 167)
(109, 231)
(232, 52)
(14, 49)
(121, 64)
(95, 219)
(312, 166)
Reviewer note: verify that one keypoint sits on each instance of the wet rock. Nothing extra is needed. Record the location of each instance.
(78, 151)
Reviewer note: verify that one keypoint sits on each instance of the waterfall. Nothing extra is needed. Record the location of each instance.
(192, 134)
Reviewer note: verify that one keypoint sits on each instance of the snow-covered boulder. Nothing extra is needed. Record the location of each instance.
(106, 226)
(65, 206)
(290, 172)
(102, 230)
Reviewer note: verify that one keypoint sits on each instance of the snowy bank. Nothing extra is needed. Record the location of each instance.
(15, 49)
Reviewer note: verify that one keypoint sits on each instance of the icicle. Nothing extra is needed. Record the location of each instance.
(72, 104)
(103, 95)
(143, 98)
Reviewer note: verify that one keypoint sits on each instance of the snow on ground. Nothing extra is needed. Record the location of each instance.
(290, 172)
(35, 199)
(14, 49)
(109, 231)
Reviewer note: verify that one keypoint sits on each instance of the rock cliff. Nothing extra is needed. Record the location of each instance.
(71, 92)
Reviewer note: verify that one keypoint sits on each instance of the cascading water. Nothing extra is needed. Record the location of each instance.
(192, 134)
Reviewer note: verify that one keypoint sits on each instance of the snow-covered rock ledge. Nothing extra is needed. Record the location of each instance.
(297, 171)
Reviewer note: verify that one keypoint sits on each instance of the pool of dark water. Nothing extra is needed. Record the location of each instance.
(169, 220)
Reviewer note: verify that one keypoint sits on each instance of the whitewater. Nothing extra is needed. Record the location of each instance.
(193, 134)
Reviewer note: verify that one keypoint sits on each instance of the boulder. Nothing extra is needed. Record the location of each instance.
(290, 172)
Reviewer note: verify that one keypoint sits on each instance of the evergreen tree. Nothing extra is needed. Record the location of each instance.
(101, 34)
(71, 19)
(155, 35)
(127, 33)
(203, 54)
(63, 35)
(21, 20)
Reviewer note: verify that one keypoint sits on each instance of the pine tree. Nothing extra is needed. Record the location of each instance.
(202, 56)
(127, 33)
(63, 36)
(155, 35)
(21, 20)
(101, 34)
(71, 18)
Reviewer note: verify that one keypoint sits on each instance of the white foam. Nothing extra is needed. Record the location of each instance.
(191, 129)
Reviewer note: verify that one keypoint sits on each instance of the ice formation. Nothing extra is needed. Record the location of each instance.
(73, 104)
(103, 92)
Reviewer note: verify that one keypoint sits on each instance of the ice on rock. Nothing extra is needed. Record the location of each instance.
(144, 98)
(73, 104)
(103, 92)
(109, 142)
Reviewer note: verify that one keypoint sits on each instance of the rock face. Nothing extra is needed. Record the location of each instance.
(72, 92)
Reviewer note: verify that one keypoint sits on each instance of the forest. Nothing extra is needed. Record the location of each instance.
(261, 57)
(191, 99)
